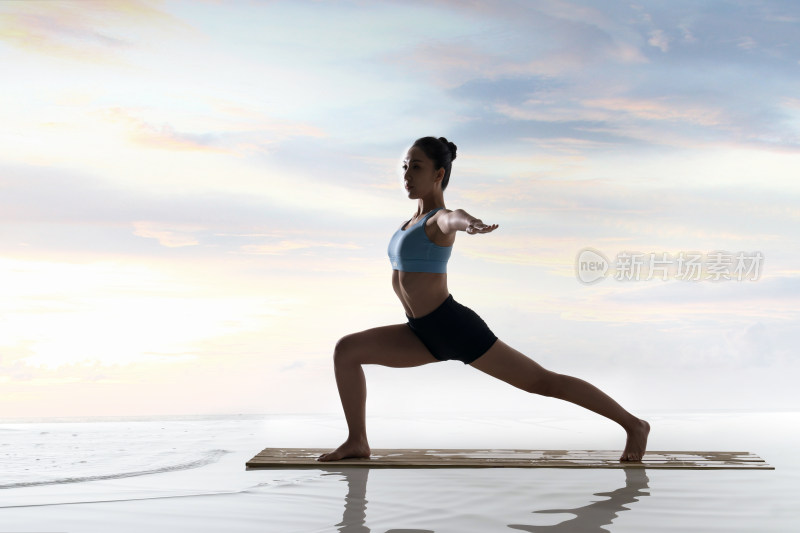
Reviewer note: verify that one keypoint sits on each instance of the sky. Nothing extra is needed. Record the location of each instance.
(196, 199)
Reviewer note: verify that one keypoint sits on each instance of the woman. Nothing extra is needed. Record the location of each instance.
(438, 327)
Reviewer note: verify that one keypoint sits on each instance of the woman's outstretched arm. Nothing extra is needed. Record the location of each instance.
(460, 220)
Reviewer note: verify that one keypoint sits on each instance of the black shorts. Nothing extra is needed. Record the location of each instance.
(453, 332)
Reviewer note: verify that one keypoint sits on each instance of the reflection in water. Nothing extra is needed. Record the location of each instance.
(355, 503)
(588, 519)
(591, 518)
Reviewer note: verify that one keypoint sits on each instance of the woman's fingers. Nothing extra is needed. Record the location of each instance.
(480, 227)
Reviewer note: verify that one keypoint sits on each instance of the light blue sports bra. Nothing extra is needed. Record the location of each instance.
(411, 250)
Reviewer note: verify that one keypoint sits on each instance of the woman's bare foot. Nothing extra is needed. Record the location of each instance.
(350, 449)
(637, 442)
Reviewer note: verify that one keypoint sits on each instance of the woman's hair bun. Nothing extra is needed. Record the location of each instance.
(440, 151)
(451, 146)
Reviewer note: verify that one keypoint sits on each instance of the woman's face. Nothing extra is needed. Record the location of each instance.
(419, 176)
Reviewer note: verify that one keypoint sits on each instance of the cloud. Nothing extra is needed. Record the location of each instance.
(170, 236)
(659, 40)
(12, 362)
(754, 344)
(285, 246)
(51, 213)
(703, 112)
(640, 118)
(686, 32)
(613, 121)
(658, 109)
(294, 365)
(163, 136)
(661, 214)
(235, 135)
(451, 64)
(558, 66)
(776, 292)
(512, 91)
(79, 30)
(124, 311)
(550, 38)
(746, 43)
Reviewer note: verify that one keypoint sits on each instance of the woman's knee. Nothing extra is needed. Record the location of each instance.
(346, 350)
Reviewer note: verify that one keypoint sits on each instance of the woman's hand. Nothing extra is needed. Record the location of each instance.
(460, 220)
(477, 226)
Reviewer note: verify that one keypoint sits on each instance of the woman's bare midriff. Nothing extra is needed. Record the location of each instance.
(420, 292)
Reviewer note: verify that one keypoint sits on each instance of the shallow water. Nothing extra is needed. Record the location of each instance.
(188, 475)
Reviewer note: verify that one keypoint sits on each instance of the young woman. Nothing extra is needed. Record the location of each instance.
(438, 327)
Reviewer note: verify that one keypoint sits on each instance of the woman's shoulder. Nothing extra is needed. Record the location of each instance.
(443, 212)
(439, 213)
(437, 224)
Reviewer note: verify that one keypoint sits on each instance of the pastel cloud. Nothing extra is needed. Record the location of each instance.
(284, 246)
(170, 236)
(165, 137)
(567, 38)
(615, 112)
(233, 136)
(660, 109)
(77, 30)
(659, 40)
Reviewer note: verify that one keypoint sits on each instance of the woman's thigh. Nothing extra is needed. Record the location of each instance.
(396, 346)
(515, 368)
